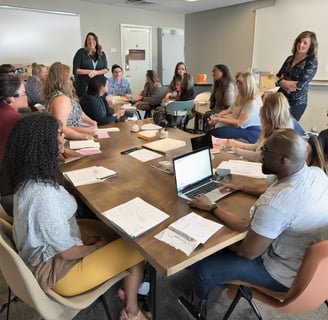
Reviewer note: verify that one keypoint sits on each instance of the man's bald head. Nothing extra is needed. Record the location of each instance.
(288, 152)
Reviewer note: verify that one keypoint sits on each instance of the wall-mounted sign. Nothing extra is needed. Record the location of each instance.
(137, 54)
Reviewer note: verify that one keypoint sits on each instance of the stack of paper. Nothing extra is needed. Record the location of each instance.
(81, 144)
(188, 232)
(244, 168)
(165, 145)
(85, 147)
(148, 135)
(135, 216)
(151, 126)
(89, 175)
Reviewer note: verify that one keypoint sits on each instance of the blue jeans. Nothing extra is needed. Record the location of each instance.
(225, 265)
(250, 134)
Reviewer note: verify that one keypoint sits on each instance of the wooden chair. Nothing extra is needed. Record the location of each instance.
(307, 292)
(23, 284)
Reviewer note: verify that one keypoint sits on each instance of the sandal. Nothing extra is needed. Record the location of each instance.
(124, 315)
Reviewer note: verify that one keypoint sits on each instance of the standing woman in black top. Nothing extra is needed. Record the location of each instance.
(297, 72)
(94, 102)
(87, 63)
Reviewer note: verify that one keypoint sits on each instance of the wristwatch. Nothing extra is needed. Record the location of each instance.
(213, 207)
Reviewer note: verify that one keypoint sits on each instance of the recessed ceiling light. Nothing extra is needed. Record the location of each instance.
(192, 0)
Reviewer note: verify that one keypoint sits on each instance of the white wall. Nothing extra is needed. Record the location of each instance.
(226, 36)
(105, 21)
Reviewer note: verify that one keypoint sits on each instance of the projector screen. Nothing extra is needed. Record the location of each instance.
(40, 36)
(277, 27)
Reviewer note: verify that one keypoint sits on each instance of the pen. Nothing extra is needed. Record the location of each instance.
(107, 177)
(182, 234)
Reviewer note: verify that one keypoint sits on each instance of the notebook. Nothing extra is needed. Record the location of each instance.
(193, 175)
(165, 145)
(202, 141)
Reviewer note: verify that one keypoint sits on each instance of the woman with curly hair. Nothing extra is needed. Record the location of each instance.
(88, 62)
(45, 230)
(61, 102)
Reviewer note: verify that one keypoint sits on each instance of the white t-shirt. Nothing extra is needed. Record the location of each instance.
(293, 211)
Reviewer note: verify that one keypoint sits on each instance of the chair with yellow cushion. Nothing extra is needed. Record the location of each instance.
(22, 283)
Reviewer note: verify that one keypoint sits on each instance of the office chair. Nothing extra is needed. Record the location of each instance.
(179, 110)
(307, 292)
(22, 283)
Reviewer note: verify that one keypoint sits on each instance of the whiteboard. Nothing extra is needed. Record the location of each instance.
(277, 27)
(29, 35)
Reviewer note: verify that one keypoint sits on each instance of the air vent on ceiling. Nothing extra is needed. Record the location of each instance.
(139, 2)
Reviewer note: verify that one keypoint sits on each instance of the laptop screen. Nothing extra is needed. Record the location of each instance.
(201, 142)
(191, 168)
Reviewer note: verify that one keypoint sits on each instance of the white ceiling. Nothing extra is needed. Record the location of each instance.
(176, 6)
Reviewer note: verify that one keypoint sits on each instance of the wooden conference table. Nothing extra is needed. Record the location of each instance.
(139, 179)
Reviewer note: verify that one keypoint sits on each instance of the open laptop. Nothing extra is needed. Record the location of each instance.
(193, 174)
(202, 141)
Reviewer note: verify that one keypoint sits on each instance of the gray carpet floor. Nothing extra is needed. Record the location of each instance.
(168, 307)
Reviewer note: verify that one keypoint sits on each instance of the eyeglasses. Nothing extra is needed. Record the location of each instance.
(18, 95)
(265, 150)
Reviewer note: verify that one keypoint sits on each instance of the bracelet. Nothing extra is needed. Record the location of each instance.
(213, 207)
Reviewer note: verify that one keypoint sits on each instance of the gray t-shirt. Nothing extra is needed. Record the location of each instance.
(44, 222)
(293, 211)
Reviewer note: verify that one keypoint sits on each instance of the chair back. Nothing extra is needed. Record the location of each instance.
(20, 279)
(309, 289)
(160, 94)
(199, 88)
(177, 106)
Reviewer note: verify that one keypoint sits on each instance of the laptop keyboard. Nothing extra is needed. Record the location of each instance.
(202, 189)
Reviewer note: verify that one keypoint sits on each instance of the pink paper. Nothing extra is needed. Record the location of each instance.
(89, 151)
(103, 135)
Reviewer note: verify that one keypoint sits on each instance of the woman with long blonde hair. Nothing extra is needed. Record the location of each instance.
(241, 120)
(274, 114)
(62, 103)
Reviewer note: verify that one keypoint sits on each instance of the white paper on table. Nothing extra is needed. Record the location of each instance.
(106, 130)
(174, 240)
(150, 126)
(135, 216)
(81, 144)
(188, 232)
(145, 155)
(244, 168)
(89, 175)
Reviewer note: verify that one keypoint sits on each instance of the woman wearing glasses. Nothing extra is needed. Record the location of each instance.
(12, 97)
(241, 120)
(62, 103)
